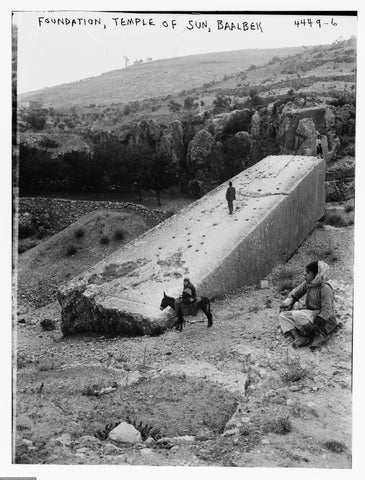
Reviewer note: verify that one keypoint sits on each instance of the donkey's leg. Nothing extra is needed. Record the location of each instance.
(180, 319)
(206, 309)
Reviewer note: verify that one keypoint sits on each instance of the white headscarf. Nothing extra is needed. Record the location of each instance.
(322, 275)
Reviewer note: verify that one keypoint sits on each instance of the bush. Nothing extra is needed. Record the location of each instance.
(48, 143)
(79, 233)
(26, 229)
(48, 324)
(104, 240)
(281, 426)
(335, 220)
(286, 286)
(334, 446)
(349, 208)
(293, 373)
(71, 250)
(26, 245)
(119, 234)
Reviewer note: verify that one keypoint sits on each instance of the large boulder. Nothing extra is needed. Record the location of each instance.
(306, 137)
(121, 294)
(287, 129)
(229, 123)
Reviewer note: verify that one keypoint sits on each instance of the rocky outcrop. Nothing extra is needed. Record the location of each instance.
(306, 137)
(287, 132)
(172, 142)
(340, 180)
(255, 125)
(199, 149)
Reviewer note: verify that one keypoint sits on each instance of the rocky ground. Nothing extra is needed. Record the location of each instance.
(237, 394)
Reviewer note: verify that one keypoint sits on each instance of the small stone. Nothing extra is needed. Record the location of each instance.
(265, 441)
(146, 451)
(125, 433)
(263, 284)
(149, 441)
(26, 442)
(295, 388)
(88, 440)
(183, 439)
(311, 404)
(204, 434)
(111, 449)
(229, 433)
(83, 450)
(61, 441)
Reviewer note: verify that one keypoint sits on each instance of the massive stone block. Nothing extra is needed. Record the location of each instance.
(279, 201)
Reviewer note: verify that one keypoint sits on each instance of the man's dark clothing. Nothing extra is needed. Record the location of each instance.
(189, 299)
(230, 196)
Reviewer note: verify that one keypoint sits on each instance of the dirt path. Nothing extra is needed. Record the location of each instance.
(290, 408)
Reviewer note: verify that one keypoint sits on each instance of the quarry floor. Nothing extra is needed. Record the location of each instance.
(295, 405)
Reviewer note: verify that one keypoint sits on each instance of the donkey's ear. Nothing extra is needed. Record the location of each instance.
(164, 294)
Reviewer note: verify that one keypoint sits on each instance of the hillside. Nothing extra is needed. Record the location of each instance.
(154, 79)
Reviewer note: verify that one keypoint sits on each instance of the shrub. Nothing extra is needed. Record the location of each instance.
(335, 219)
(334, 446)
(26, 245)
(26, 229)
(48, 143)
(71, 250)
(170, 213)
(281, 426)
(45, 366)
(285, 286)
(293, 373)
(349, 208)
(104, 240)
(48, 324)
(119, 234)
(79, 233)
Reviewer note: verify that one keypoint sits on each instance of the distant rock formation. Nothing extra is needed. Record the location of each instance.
(199, 149)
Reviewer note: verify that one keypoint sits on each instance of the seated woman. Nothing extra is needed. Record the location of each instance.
(318, 317)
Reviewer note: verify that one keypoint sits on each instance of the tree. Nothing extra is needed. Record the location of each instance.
(126, 61)
(160, 173)
(221, 104)
(35, 118)
(174, 106)
(86, 171)
(188, 103)
(254, 99)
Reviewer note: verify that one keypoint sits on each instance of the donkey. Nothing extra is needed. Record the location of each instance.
(203, 303)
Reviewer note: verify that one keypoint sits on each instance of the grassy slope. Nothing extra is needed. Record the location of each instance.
(154, 79)
(43, 268)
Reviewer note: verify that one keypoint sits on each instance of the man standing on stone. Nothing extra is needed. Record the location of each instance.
(230, 196)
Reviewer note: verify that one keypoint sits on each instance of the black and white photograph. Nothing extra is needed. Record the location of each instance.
(183, 237)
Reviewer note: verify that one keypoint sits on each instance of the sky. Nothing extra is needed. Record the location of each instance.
(94, 42)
